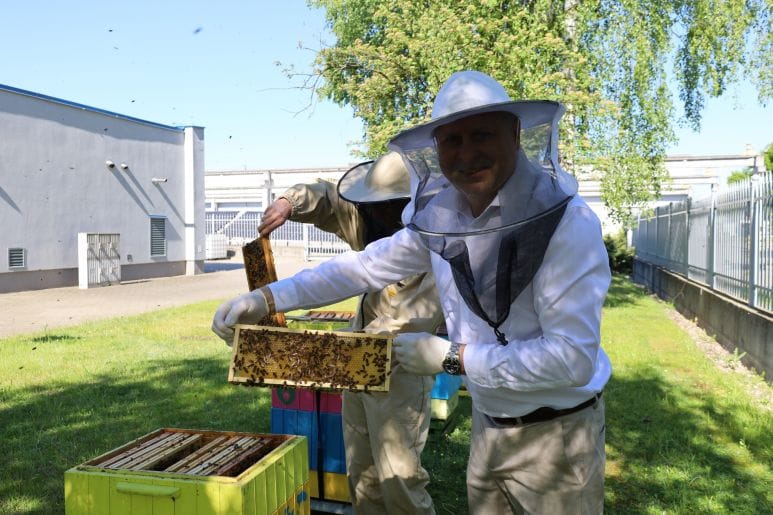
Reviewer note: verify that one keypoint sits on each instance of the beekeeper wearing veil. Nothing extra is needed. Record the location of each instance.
(522, 273)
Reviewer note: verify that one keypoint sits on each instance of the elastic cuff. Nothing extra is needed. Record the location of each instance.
(293, 204)
(266, 291)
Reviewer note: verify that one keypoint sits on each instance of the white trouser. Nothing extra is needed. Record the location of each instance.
(384, 434)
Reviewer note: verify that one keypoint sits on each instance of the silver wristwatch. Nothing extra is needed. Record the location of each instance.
(451, 363)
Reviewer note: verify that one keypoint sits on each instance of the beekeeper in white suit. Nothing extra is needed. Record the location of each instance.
(522, 273)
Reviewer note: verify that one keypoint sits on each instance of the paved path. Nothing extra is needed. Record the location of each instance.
(32, 311)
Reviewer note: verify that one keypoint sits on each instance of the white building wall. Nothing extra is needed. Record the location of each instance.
(689, 177)
(234, 190)
(55, 183)
(194, 200)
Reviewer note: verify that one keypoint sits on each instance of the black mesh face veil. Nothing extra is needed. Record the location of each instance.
(380, 190)
(381, 219)
(493, 257)
(521, 251)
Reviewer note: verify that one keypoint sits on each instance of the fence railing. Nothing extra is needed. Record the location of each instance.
(240, 227)
(724, 241)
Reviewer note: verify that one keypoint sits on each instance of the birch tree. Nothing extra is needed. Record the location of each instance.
(609, 61)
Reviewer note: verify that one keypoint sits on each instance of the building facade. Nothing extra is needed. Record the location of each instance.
(83, 187)
(250, 191)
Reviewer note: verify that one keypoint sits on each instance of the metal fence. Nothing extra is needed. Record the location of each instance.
(240, 227)
(724, 241)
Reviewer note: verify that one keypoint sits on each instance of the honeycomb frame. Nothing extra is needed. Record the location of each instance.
(307, 358)
(259, 266)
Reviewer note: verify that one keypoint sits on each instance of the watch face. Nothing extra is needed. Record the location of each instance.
(452, 366)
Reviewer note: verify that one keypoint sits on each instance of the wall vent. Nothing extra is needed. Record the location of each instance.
(157, 236)
(17, 258)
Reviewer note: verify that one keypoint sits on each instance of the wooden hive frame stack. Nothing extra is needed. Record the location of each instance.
(198, 453)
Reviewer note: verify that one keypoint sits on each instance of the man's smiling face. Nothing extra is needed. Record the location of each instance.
(477, 154)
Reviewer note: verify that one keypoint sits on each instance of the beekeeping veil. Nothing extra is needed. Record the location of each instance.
(380, 190)
(493, 257)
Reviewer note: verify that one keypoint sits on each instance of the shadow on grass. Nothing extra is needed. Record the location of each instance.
(55, 338)
(623, 291)
(49, 430)
(669, 450)
(445, 458)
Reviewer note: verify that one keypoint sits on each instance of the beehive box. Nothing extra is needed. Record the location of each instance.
(443, 409)
(317, 416)
(181, 472)
(321, 320)
(311, 359)
(444, 396)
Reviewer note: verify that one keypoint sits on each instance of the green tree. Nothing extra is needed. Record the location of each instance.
(740, 175)
(767, 155)
(607, 60)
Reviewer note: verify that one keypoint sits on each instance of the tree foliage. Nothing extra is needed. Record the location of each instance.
(737, 176)
(767, 156)
(608, 60)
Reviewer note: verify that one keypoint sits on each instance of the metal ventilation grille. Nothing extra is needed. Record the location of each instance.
(158, 236)
(17, 258)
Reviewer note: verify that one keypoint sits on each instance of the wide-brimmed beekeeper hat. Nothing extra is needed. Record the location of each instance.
(538, 184)
(469, 93)
(379, 181)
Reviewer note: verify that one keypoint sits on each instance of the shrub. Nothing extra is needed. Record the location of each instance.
(620, 254)
(740, 175)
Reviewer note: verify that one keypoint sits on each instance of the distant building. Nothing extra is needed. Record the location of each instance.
(246, 191)
(690, 176)
(254, 190)
(90, 197)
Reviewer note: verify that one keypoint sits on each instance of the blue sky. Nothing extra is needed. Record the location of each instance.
(212, 64)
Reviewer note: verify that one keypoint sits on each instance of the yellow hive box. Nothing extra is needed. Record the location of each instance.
(174, 472)
(335, 486)
(442, 409)
(307, 358)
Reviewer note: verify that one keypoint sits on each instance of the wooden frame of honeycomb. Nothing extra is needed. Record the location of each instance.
(186, 451)
(264, 355)
(260, 269)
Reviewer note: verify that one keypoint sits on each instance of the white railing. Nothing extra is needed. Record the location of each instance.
(240, 227)
(724, 241)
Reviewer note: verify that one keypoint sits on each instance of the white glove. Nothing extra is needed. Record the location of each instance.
(421, 353)
(249, 308)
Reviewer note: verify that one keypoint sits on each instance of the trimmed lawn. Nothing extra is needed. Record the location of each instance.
(683, 435)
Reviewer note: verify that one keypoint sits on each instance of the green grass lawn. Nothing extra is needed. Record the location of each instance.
(683, 436)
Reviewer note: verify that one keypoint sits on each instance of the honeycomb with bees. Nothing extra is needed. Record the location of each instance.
(265, 355)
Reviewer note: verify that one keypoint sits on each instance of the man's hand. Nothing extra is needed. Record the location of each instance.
(421, 353)
(275, 215)
(249, 308)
